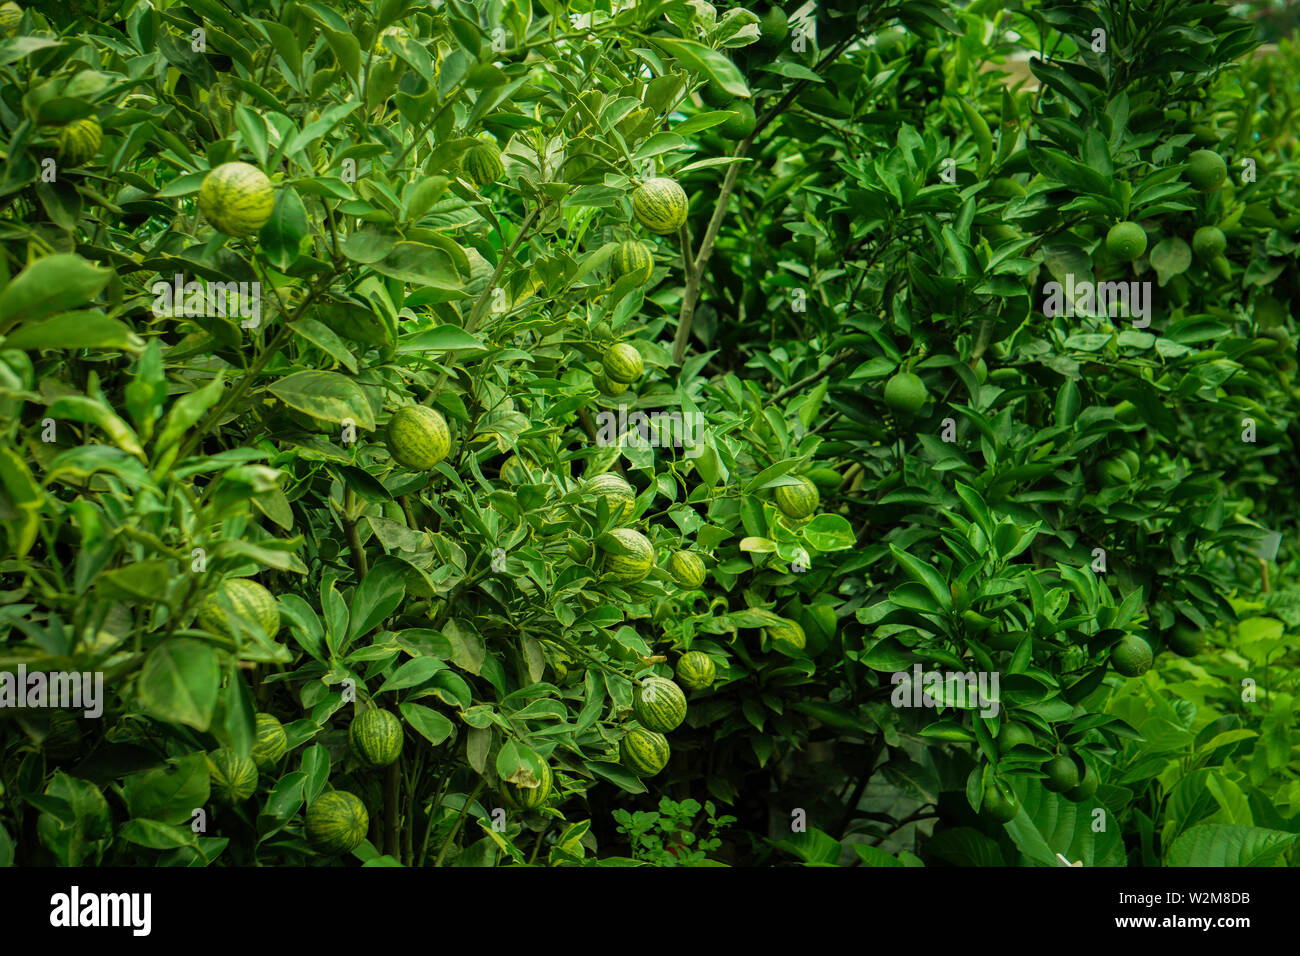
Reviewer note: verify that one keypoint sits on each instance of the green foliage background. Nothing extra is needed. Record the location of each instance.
(901, 203)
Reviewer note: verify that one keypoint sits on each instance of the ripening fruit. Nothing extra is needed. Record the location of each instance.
(687, 569)
(1186, 641)
(789, 633)
(482, 163)
(774, 27)
(696, 670)
(1014, 735)
(1209, 241)
(1206, 170)
(1062, 774)
(376, 737)
(716, 97)
(270, 741)
(623, 363)
(740, 125)
(660, 205)
(644, 752)
(1114, 471)
(1001, 805)
(632, 258)
(79, 141)
(252, 601)
(237, 199)
(659, 704)
(11, 15)
(905, 393)
(337, 822)
(1086, 788)
(1132, 656)
(529, 798)
(797, 501)
(233, 778)
(418, 437)
(633, 566)
(618, 494)
(606, 386)
(1126, 241)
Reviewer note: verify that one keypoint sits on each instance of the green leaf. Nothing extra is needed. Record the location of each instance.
(926, 575)
(1229, 845)
(74, 330)
(283, 233)
(444, 338)
(707, 64)
(48, 286)
(427, 722)
(328, 396)
(179, 682)
(379, 594)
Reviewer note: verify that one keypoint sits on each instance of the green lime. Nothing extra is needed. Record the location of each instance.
(1126, 241)
(1086, 787)
(1131, 656)
(1113, 471)
(1209, 241)
(1126, 412)
(774, 27)
(905, 393)
(1187, 641)
(1000, 804)
(1062, 774)
(1206, 170)
(715, 97)
(1014, 735)
(740, 125)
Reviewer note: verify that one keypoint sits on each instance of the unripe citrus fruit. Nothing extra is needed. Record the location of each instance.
(1062, 774)
(623, 363)
(634, 565)
(482, 163)
(1086, 787)
(237, 199)
(1132, 656)
(253, 602)
(905, 393)
(271, 741)
(375, 737)
(1000, 805)
(11, 15)
(79, 141)
(687, 569)
(789, 633)
(660, 205)
(716, 97)
(233, 778)
(337, 822)
(797, 501)
(696, 670)
(1126, 241)
(1209, 241)
(774, 27)
(742, 124)
(1186, 641)
(618, 495)
(1014, 735)
(418, 437)
(1206, 170)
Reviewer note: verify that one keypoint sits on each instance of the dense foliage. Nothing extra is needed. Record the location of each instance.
(564, 433)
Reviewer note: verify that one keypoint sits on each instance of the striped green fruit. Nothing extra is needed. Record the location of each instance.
(788, 632)
(606, 386)
(797, 501)
(660, 205)
(337, 822)
(79, 141)
(659, 704)
(529, 798)
(418, 437)
(237, 199)
(11, 15)
(271, 741)
(618, 494)
(252, 601)
(482, 163)
(636, 564)
(644, 752)
(633, 259)
(623, 363)
(234, 778)
(696, 670)
(376, 737)
(687, 569)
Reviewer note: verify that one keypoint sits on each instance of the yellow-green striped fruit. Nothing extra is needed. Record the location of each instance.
(634, 259)
(687, 569)
(788, 633)
(644, 752)
(271, 741)
(11, 15)
(482, 163)
(617, 493)
(234, 778)
(337, 822)
(376, 737)
(623, 363)
(635, 565)
(237, 199)
(659, 704)
(696, 670)
(660, 205)
(253, 602)
(418, 437)
(79, 141)
(797, 501)
(529, 798)
(606, 386)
